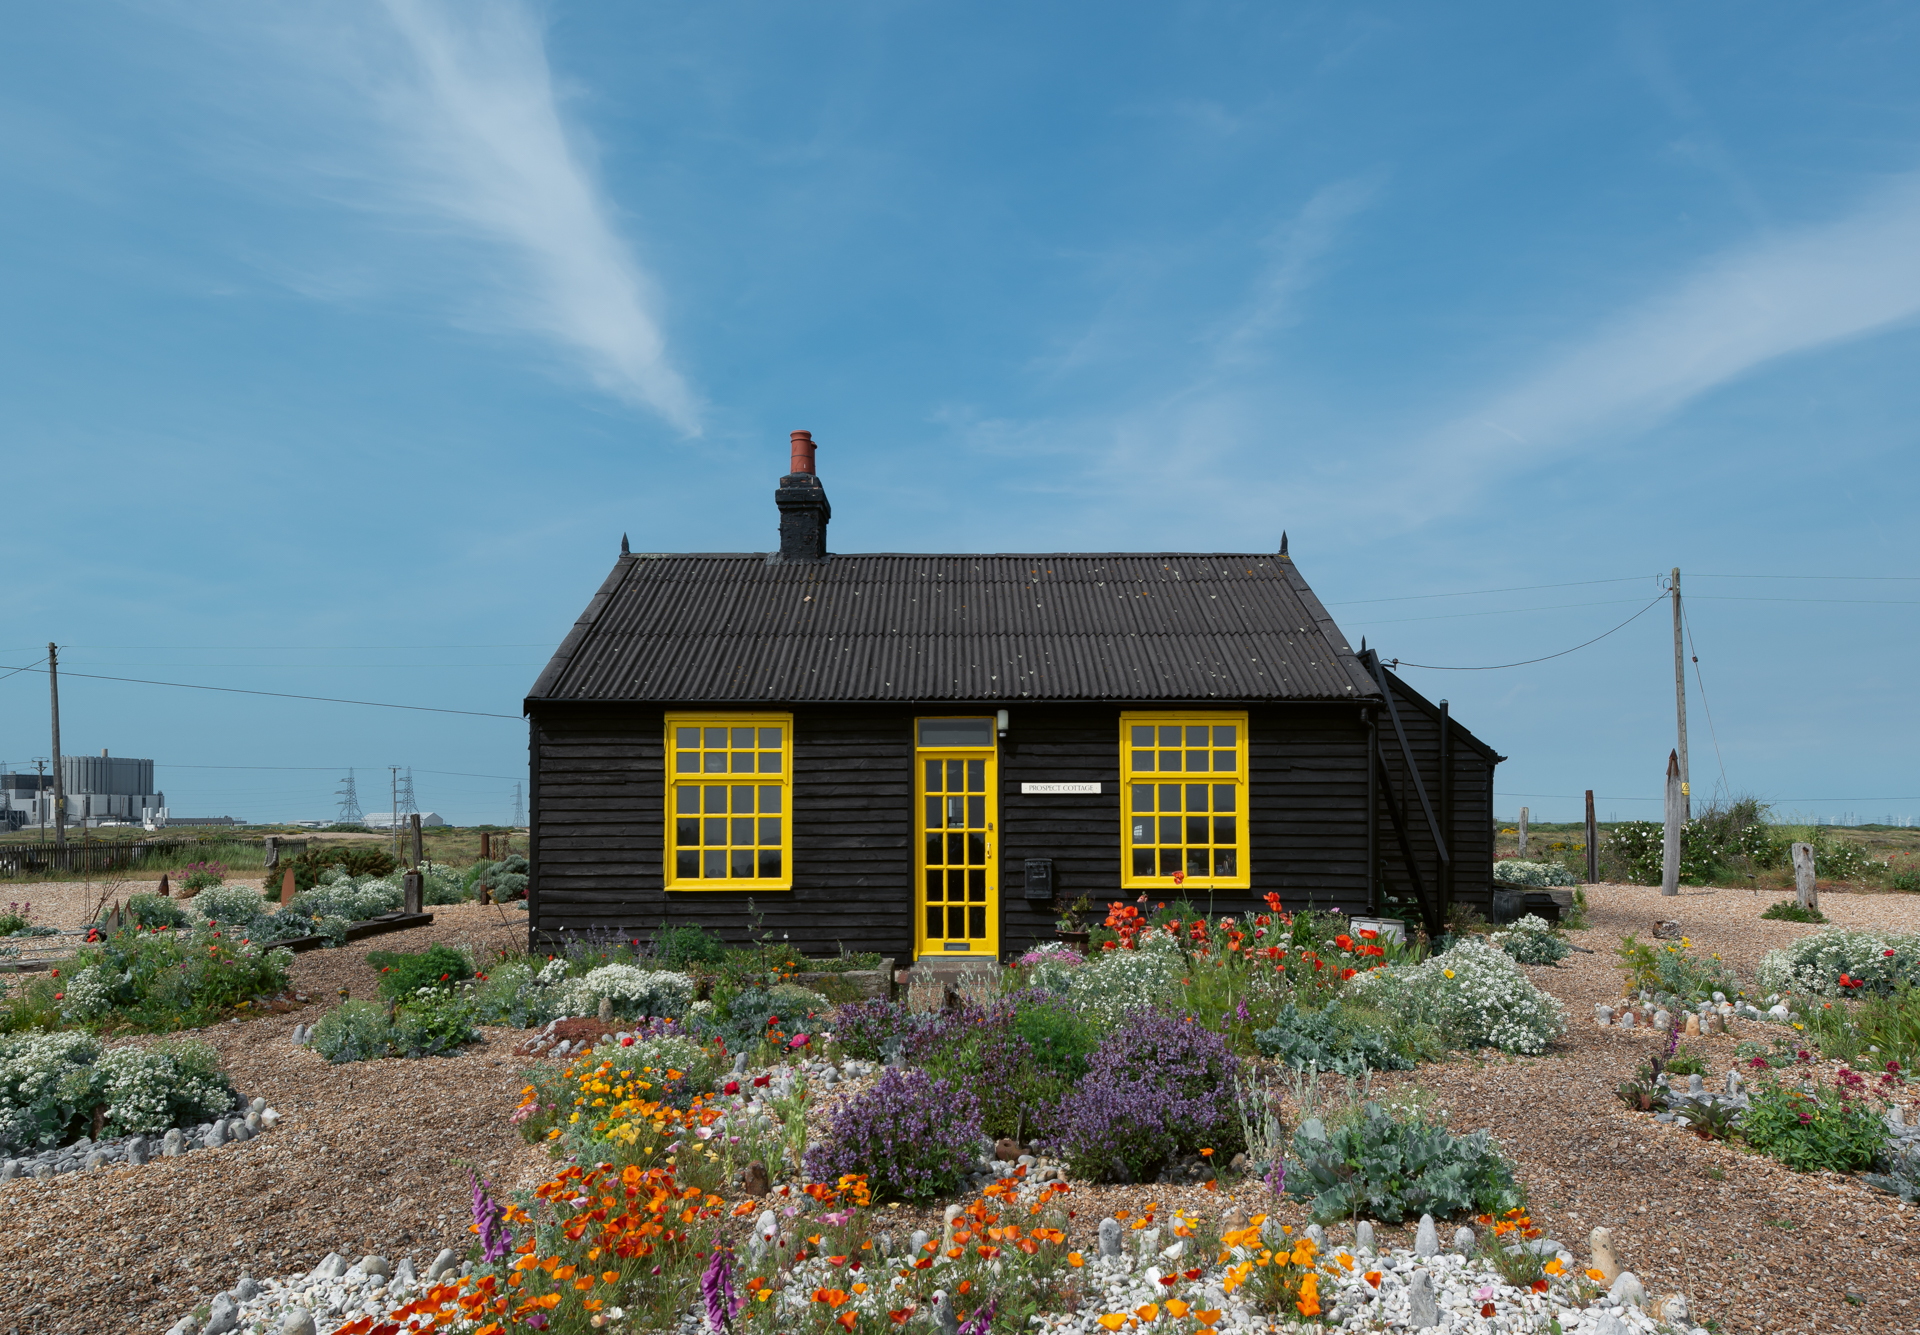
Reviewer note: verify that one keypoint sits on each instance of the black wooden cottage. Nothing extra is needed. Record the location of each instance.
(929, 754)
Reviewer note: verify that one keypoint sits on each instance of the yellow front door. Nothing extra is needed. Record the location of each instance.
(958, 908)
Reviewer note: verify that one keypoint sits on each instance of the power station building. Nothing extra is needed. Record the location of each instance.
(100, 789)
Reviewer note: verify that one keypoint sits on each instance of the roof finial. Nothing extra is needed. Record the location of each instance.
(1283, 542)
(624, 549)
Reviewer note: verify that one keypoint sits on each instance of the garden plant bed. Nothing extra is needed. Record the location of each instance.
(372, 1157)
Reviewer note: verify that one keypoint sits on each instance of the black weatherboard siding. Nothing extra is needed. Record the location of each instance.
(857, 647)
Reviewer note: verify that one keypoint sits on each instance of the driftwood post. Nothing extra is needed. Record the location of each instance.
(273, 852)
(486, 846)
(1523, 833)
(415, 823)
(1670, 849)
(1593, 843)
(411, 886)
(1803, 886)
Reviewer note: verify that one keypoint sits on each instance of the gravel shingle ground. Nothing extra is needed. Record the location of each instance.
(374, 1157)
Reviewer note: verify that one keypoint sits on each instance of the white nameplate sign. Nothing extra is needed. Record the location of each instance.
(1045, 788)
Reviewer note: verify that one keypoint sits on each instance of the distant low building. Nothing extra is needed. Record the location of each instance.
(386, 820)
(101, 790)
(175, 822)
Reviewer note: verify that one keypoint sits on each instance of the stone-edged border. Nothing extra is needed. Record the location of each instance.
(243, 1122)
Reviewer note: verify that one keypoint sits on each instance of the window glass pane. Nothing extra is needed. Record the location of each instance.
(743, 798)
(1198, 862)
(1224, 760)
(934, 917)
(769, 762)
(1170, 736)
(956, 776)
(933, 849)
(957, 922)
(716, 797)
(1170, 760)
(956, 850)
(1170, 861)
(936, 732)
(1197, 736)
(686, 863)
(956, 807)
(956, 886)
(743, 830)
(716, 830)
(686, 798)
(977, 886)
(714, 762)
(1143, 862)
(1225, 830)
(769, 829)
(687, 762)
(686, 832)
(716, 738)
(977, 850)
(1224, 862)
(1143, 797)
(1143, 760)
(933, 813)
(1196, 760)
(1196, 829)
(742, 762)
(976, 923)
(1196, 797)
(1169, 829)
(1143, 830)
(743, 862)
(1223, 797)
(1225, 735)
(976, 776)
(769, 799)
(1169, 797)
(976, 813)
(770, 737)
(742, 738)
(933, 776)
(713, 862)
(687, 739)
(769, 862)
(1142, 734)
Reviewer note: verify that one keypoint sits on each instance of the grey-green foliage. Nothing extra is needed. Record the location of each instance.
(50, 1085)
(1336, 1038)
(745, 1019)
(150, 911)
(1514, 871)
(1390, 1169)
(507, 878)
(517, 994)
(234, 904)
(1532, 940)
(1902, 1177)
(431, 1024)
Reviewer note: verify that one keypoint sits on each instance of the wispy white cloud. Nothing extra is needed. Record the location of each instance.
(1297, 249)
(1789, 294)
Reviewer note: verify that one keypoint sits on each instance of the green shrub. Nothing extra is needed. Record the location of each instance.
(154, 981)
(1792, 910)
(745, 1018)
(151, 911)
(402, 974)
(1672, 969)
(505, 879)
(1532, 940)
(687, 943)
(234, 904)
(1719, 844)
(51, 1084)
(1473, 996)
(1875, 963)
(1392, 1169)
(356, 860)
(428, 1026)
(345, 897)
(1337, 1038)
(1811, 1131)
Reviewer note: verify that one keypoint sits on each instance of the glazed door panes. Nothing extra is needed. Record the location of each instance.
(958, 888)
(1185, 827)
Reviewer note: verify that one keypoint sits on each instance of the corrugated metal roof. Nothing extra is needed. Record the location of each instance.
(1122, 626)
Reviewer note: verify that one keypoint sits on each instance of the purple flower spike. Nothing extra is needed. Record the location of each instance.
(982, 1320)
(496, 1242)
(716, 1291)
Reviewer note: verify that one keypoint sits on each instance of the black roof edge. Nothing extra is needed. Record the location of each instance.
(987, 706)
(958, 556)
(1356, 671)
(582, 628)
(1432, 711)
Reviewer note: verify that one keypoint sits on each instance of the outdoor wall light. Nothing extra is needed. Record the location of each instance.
(1002, 720)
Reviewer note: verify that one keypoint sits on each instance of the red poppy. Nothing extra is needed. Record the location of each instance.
(1486, 1309)
(733, 1087)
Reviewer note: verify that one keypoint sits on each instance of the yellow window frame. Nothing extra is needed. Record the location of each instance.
(1214, 839)
(703, 780)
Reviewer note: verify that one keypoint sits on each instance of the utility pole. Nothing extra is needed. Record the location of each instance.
(59, 780)
(1680, 702)
(40, 794)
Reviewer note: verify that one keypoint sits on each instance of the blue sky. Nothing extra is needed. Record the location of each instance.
(340, 343)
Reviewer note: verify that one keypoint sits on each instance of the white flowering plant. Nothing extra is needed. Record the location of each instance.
(1474, 995)
(1532, 940)
(50, 1085)
(1516, 871)
(1841, 962)
(635, 993)
(1113, 982)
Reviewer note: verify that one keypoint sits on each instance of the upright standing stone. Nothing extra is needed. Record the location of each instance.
(945, 1320)
(1423, 1310)
(1600, 1244)
(1319, 1236)
(1463, 1240)
(1363, 1234)
(1627, 1291)
(1110, 1244)
(175, 1143)
(1696, 1085)
(916, 1242)
(1693, 1025)
(298, 1321)
(1426, 1239)
(1662, 1021)
(1602, 1014)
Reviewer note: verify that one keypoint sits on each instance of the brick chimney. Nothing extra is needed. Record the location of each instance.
(804, 510)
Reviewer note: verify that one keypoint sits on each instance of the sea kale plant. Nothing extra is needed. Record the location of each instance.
(1392, 1168)
(1341, 1038)
(429, 1024)
(1516, 871)
(915, 1137)
(1157, 1087)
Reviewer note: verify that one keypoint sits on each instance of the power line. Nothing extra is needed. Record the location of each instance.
(1700, 681)
(28, 668)
(1498, 612)
(1473, 593)
(278, 695)
(1494, 667)
(327, 769)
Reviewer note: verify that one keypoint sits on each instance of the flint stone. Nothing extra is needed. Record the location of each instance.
(403, 1273)
(1611, 1324)
(269, 1118)
(1674, 1308)
(98, 1159)
(1426, 1241)
(1626, 1290)
(1662, 1021)
(442, 1263)
(917, 1241)
(1719, 997)
(254, 1125)
(1423, 1311)
(43, 1170)
(740, 1063)
(1147, 1242)
(138, 1151)
(1110, 1237)
(222, 1317)
(186, 1325)
(1319, 1236)
(1626, 1020)
(945, 1320)
(1463, 1240)
(374, 1265)
(1603, 1015)
(298, 1321)
(333, 1265)
(1696, 1086)
(215, 1137)
(1363, 1235)
(175, 1144)
(9, 1170)
(1600, 1244)
(245, 1289)
(1716, 1023)
(754, 1180)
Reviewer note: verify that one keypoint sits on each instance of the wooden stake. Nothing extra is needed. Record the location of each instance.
(1676, 820)
(414, 821)
(1523, 833)
(1803, 887)
(1593, 843)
